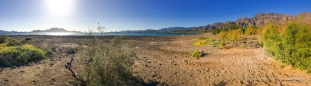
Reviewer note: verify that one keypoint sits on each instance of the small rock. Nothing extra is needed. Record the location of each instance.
(6, 80)
(22, 71)
(51, 64)
(53, 79)
(156, 76)
(34, 82)
(54, 49)
(135, 75)
(243, 82)
(186, 61)
(207, 69)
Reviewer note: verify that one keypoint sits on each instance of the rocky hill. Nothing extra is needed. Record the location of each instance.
(259, 20)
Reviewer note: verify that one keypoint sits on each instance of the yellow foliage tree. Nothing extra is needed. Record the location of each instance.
(252, 31)
(234, 35)
(223, 35)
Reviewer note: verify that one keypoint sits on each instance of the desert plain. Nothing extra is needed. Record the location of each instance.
(163, 60)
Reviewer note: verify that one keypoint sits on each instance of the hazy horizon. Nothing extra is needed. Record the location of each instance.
(120, 15)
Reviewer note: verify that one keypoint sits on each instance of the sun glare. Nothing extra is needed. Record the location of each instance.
(59, 7)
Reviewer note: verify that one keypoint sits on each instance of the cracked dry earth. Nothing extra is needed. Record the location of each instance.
(164, 60)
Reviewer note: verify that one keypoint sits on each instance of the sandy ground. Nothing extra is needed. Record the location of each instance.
(164, 60)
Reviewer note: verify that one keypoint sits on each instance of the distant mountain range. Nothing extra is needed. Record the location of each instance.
(259, 20)
(2, 31)
(54, 29)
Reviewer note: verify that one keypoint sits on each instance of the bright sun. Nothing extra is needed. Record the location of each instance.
(59, 7)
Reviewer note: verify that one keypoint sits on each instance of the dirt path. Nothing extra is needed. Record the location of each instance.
(165, 60)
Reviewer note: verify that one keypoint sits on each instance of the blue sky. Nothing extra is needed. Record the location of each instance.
(116, 15)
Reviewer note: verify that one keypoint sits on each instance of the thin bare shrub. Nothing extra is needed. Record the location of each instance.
(106, 63)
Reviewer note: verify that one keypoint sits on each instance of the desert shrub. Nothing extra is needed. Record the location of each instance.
(196, 54)
(21, 55)
(242, 46)
(223, 35)
(14, 42)
(3, 39)
(107, 64)
(270, 36)
(290, 44)
(203, 41)
(234, 35)
(218, 44)
(251, 30)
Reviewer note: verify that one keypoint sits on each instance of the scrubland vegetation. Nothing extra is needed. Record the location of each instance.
(17, 53)
(289, 43)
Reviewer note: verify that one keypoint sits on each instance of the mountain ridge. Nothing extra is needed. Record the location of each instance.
(258, 20)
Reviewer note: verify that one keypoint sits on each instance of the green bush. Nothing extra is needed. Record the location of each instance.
(21, 55)
(218, 44)
(196, 54)
(14, 43)
(3, 39)
(290, 44)
(216, 31)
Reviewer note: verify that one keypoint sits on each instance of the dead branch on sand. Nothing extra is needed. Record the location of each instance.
(68, 66)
